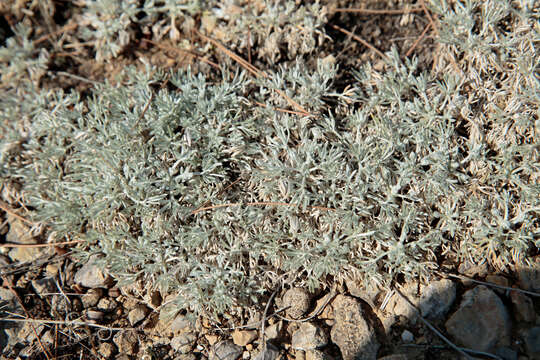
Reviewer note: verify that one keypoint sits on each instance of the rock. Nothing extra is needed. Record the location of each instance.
(532, 342)
(10, 329)
(316, 355)
(94, 314)
(114, 292)
(309, 337)
(244, 337)
(529, 274)
(25, 254)
(127, 342)
(106, 350)
(351, 333)
(271, 352)
(401, 307)
(92, 276)
(137, 314)
(523, 307)
(44, 286)
(506, 353)
(436, 298)
(19, 232)
(107, 304)
(481, 322)
(180, 324)
(471, 270)
(211, 338)
(498, 280)
(298, 301)
(225, 350)
(327, 313)
(92, 297)
(51, 270)
(184, 342)
(407, 336)
(365, 290)
(394, 357)
(273, 331)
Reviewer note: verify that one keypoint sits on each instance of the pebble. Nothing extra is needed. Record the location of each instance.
(244, 337)
(481, 322)
(184, 342)
(137, 314)
(529, 275)
(298, 300)
(316, 355)
(271, 352)
(309, 337)
(106, 350)
(351, 333)
(25, 254)
(226, 350)
(94, 314)
(523, 307)
(44, 286)
(407, 336)
(532, 342)
(436, 298)
(273, 331)
(126, 342)
(107, 304)
(498, 280)
(91, 298)
(91, 275)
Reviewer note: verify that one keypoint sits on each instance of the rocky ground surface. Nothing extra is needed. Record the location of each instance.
(493, 316)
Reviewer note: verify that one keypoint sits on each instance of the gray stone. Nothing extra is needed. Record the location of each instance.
(351, 333)
(523, 307)
(271, 352)
(127, 342)
(92, 276)
(225, 350)
(481, 322)
(107, 304)
(506, 353)
(298, 301)
(273, 331)
(436, 298)
(407, 336)
(184, 342)
(532, 342)
(137, 314)
(25, 254)
(309, 337)
(316, 355)
(529, 274)
(92, 297)
(180, 324)
(44, 286)
(19, 232)
(365, 290)
(106, 350)
(92, 314)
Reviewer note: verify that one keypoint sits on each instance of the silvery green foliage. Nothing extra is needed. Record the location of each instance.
(21, 60)
(218, 199)
(108, 25)
(271, 25)
(497, 44)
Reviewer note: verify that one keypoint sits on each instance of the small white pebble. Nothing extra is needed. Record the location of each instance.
(407, 336)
